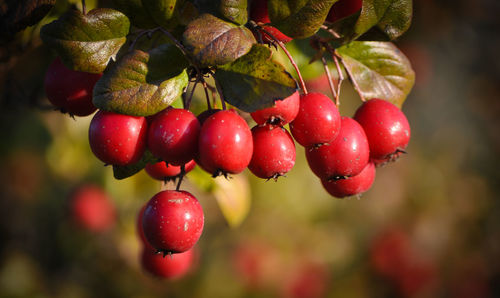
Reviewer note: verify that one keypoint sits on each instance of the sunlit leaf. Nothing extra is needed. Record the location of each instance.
(233, 197)
(122, 172)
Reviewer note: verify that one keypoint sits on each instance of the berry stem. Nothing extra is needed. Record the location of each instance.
(331, 31)
(354, 82)
(329, 75)
(188, 100)
(84, 7)
(219, 90)
(181, 175)
(205, 88)
(341, 79)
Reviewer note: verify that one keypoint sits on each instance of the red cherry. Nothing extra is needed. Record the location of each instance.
(225, 144)
(69, 90)
(352, 185)
(92, 209)
(283, 111)
(173, 221)
(318, 120)
(173, 136)
(117, 139)
(259, 14)
(162, 171)
(343, 8)
(170, 267)
(344, 157)
(386, 128)
(273, 152)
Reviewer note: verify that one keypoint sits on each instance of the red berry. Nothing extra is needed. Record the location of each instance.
(318, 120)
(283, 111)
(344, 157)
(170, 267)
(386, 128)
(140, 230)
(162, 171)
(205, 114)
(173, 221)
(117, 139)
(92, 209)
(173, 136)
(273, 152)
(69, 90)
(343, 8)
(225, 144)
(259, 14)
(351, 185)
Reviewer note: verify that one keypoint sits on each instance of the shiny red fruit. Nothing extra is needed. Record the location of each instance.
(259, 14)
(117, 139)
(92, 209)
(69, 90)
(225, 144)
(169, 267)
(162, 171)
(283, 112)
(173, 221)
(318, 121)
(273, 152)
(386, 128)
(205, 114)
(352, 185)
(173, 136)
(343, 8)
(346, 156)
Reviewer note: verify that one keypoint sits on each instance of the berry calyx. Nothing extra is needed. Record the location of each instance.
(92, 209)
(169, 267)
(318, 120)
(117, 139)
(173, 136)
(173, 221)
(351, 185)
(69, 90)
(283, 112)
(225, 145)
(343, 8)
(273, 152)
(346, 156)
(163, 172)
(386, 128)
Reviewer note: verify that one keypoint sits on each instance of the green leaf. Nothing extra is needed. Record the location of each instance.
(299, 18)
(163, 11)
(380, 19)
(136, 12)
(233, 198)
(255, 80)
(142, 84)
(380, 70)
(122, 172)
(213, 41)
(87, 42)
(234, 11)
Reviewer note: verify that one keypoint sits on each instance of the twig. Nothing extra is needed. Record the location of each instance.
(330, 30)
(219, 90)
(181, 175)
(84, 7)
(329, 75)
(354, 82)
(341, 79)
(141, 34)
(205, 88)
(188, 100)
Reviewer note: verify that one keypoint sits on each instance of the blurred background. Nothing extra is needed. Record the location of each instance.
(429, 227)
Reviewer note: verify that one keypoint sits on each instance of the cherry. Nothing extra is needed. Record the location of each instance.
(344, 157)
(69, 90)
(352, 185)
(283, 111)
(169, 267)
(273, 152)
(318, 120)
(386, 128)
(173, 136)
(173, 221)
(225, 144)
(117, 139)
(259, 14)
(92, 209)
(162, 171)
(343, 8)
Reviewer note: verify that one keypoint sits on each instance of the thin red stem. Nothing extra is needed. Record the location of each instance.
(84, 7)
(354, 82)
(341, 79)
(329, 75)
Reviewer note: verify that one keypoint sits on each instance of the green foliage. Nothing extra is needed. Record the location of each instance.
(380, 70)
(299, 18)
(136, 12)
(379, 20)
(163, 12)
(255, 80)
(141, 83)
(234, 11)
(123, 172)
(213, 41)
(87, 42)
